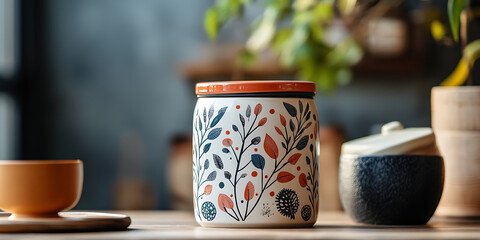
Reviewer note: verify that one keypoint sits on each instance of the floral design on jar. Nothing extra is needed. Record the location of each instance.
(294, 140)
(255, 154)
(204, 133)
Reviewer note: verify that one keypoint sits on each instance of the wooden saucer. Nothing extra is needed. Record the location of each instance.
(68, 222)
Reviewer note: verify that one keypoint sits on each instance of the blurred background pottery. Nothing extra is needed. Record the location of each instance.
(391, 189)
(392, 178)
(39, 188)
(456, 123)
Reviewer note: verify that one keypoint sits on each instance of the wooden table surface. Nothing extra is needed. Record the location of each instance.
(331, 225)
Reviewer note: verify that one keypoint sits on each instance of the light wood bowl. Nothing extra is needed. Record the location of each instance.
(456, 108)
(461, 153)
(39, 188)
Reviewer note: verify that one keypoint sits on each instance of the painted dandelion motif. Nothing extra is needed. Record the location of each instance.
(306, 212)
(208, 211)
(266, 210)
(287, 202)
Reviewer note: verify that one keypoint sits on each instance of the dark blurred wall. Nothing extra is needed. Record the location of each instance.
(113, 95)
(116, 97)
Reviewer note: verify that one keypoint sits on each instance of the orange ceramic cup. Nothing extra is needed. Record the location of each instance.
(39, 188)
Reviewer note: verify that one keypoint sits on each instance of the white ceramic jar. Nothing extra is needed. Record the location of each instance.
(255, 160)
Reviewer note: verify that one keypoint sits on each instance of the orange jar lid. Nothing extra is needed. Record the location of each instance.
(235, 87)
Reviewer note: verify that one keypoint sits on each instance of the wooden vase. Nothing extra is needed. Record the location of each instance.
(456, 108)
(456, 123)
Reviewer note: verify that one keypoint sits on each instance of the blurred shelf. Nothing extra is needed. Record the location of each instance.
(229, 70)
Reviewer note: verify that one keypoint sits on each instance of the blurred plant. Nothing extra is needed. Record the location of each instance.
(296, 30)
(458, 16)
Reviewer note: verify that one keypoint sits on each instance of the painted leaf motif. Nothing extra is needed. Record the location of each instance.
(214, 133)
(301, 131)
(283, 145)
(256, 140)
(284, 177)
(225, 150)
(300, 106)
(249, 191)
(311, 147)
(206, 164)
(235, 128)
(258, 109)
(242, 119)
(248, 112)
(308, 125)
(206, 148)
(302, 180)
(205, 114)
(200, 124)
(224, 202)
(262, 121)
(227, 174)
(243, 175)
(208, 189)
(307, 159)
(302, 143)
(227, 142)
(282, 120)
(270, 147)
(219, 116)
(290, 109)
(292, 126)
(308, 116)
(279, 131)
(294, 158)
(307, 108)
(211, 111)
(217, 160)
(212, 176)
(258, 161)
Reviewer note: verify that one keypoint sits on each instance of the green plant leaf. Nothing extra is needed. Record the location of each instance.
(454, 10)
(262, 36)
(227, 8)
(281, 36)
(247, 59)
(211, 23)
(458, 76)
(325, 78)
(301, 5)
(346, 6)
(472, 52)
(295, 46)
(323, 11)
(437, 30)
(344, 76)
(280, 5)
(346, 53)
(295, 30)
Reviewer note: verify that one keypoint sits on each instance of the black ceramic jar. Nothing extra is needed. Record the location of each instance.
(391, 189)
